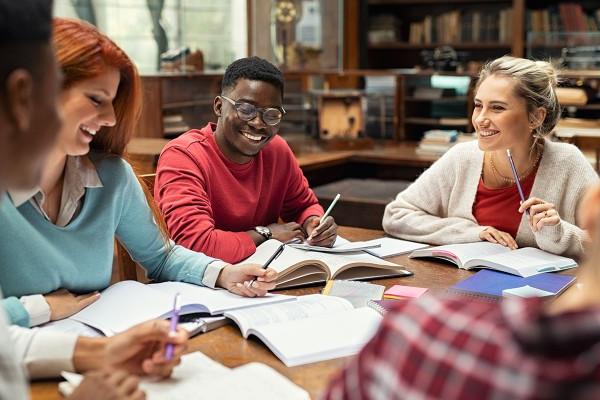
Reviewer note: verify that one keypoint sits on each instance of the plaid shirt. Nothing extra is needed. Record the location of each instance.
(457, 348)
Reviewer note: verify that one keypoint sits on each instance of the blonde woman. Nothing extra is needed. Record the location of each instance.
(470, 193)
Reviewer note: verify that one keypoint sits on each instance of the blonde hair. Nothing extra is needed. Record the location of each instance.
(536, 82)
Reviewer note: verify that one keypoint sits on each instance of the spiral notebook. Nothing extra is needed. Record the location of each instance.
(490, 284)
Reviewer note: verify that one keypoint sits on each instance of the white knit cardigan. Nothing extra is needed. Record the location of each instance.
(438, 207)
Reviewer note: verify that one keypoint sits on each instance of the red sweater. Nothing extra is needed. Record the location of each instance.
(209, 202)
(500, 207)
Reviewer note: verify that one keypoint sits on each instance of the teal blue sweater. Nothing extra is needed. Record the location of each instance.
(39, 257)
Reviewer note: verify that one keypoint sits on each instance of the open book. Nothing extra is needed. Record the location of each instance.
(312, 328)
(198, 376)
(128, 303)
(300, 267)
(526, 261)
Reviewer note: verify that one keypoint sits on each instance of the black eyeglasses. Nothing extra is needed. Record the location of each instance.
(247, 112)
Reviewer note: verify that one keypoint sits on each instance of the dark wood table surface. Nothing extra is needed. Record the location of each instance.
(227, 346)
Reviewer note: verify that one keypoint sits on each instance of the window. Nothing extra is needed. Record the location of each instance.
(217, 28)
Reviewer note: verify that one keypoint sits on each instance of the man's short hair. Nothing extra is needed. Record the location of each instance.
(25, 27)
(252, 68)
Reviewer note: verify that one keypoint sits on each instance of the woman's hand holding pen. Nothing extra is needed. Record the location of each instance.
(323, 234)
(237, 278)
(541, 213)
(141, 349)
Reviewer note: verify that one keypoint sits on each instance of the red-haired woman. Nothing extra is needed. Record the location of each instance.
(57, 241)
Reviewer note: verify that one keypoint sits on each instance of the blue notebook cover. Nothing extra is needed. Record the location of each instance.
(492, 283)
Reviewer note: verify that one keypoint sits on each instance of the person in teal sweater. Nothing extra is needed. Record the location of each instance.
(57, 241)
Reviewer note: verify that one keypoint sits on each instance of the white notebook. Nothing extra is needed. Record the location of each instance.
(128, 303)
(312, 328)
(200, 377)
(526, 261)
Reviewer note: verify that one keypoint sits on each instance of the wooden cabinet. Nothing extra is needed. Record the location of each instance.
(174, 103)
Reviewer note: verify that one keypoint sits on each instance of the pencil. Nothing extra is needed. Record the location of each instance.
(516, 176)
(335, 200)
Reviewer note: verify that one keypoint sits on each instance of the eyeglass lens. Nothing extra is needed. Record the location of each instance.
(248, 112)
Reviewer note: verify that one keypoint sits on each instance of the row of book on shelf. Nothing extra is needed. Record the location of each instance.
(449, 27)
(563, 17)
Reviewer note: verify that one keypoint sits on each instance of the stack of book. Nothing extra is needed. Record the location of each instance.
(438, 141)
(383, 28)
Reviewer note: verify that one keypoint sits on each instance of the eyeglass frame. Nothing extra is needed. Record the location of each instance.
(259, 110)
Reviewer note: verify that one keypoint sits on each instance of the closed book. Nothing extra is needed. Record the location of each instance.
(493, 283)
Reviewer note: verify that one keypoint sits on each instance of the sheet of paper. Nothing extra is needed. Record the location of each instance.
(526, 291)
(123, 305)
(216, 300)
(320, 338)
(389, 247)
(200, 377)
(351, 247)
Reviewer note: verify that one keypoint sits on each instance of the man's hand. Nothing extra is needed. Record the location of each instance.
(141, 349)
(63, 303)
(286, 232)
(106, 384)
(236, 279)
(323, 235)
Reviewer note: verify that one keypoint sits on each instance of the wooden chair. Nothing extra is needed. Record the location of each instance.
(125, 267)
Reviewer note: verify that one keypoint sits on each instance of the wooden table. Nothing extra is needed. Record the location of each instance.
(227, 346)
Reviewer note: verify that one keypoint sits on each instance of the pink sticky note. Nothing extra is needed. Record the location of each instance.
(405, 291)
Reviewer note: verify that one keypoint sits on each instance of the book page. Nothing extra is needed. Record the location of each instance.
(461, 253)
(290, 264)
(304, 307)
(123, 305)
(319, 338)
(526, 262)
(336, 262)
(216, 301)
(198, 376)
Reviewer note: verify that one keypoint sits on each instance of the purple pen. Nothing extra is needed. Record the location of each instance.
(516, 175)
(173, 327)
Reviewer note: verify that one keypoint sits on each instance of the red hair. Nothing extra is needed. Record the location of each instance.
(83, 52)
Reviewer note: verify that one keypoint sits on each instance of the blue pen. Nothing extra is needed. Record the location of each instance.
(173, 327)
(516, 175)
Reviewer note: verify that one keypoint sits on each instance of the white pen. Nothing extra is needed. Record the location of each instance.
(335, 200)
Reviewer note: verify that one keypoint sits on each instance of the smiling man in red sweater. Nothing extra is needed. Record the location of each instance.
(224, 187)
